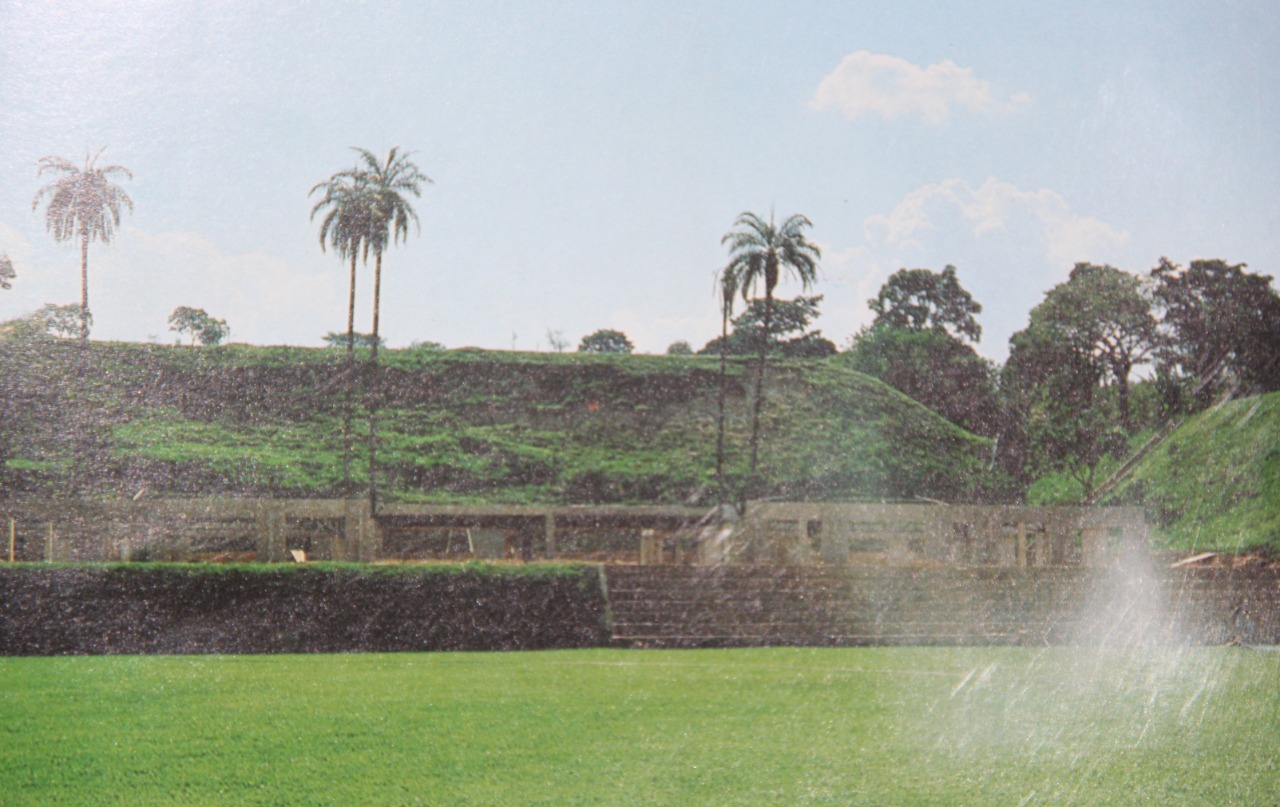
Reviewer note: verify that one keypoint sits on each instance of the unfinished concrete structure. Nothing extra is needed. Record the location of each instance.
(803, 533)
(775, 533)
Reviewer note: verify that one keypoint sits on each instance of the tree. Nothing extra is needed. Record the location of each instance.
(198, 325)
(727, 286)
(917, 299)
(346, 227)
(48, 320)
(383, 186)
(789, 316)
(6, 272)
(386, 184)
(82, 204)
(934, 368)
(556, 340)
(1218, 316)
(759, 253)
(1053, 390)
(606, 341)
(680, 348)
(1104, 313)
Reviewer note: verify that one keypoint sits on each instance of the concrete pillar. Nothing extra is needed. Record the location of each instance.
(650, 547)
(272, 533)
(1022, 544)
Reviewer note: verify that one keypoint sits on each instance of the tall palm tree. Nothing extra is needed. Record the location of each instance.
(758, 253)
(345, 227)
(83, 203)
(384, 184)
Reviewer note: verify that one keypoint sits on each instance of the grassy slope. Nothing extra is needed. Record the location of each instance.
(742, 727)
(462, 426)
(1214, 484)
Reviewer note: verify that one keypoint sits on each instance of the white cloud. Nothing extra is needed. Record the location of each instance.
(867, 83)
(1067, 237)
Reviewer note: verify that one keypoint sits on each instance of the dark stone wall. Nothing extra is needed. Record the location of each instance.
(175, 609)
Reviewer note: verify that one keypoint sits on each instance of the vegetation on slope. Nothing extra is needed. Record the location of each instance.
(1214, 484)
(460, 425)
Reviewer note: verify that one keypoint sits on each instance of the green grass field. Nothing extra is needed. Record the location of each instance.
(774, 726)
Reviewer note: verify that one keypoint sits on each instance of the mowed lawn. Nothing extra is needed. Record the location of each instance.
(734, 727)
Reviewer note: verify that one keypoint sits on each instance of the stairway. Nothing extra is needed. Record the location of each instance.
(753, 606)
(726, 606)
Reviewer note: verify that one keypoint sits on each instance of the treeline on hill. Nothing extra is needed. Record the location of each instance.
(1106, 361)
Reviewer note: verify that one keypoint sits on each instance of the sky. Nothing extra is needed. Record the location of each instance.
(587, 157)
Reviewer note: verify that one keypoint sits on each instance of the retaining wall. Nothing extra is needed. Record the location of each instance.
(183, 609)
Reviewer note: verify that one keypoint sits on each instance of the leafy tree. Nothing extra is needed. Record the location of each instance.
(680, 348)
(48, 320)
(1104, 313)
(606, 341)
(934, 368)
(83, 204)
(197, 324)
(917, 299)
(1054, 394)
(6, 272)
(62, 320)
(789, 316)
(1218, 316)
(759, 252)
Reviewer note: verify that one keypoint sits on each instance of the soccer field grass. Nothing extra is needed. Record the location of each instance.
(765, 726)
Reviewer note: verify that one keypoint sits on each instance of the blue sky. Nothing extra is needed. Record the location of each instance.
(587, 157)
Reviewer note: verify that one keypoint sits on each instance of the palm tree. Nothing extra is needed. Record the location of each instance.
(385, 183)
(83, 203)
(758, 253)
(345, 227)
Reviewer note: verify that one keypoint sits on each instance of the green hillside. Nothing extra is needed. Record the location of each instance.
(458, 426)
(1214, 484)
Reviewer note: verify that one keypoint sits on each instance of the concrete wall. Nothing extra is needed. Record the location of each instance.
(927, 534)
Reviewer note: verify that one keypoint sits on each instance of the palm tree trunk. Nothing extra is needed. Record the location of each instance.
(373, 387)
(724, 350)
(759, 397)
(351, 311)
(377, 296)
(84, 287)
(347, 382)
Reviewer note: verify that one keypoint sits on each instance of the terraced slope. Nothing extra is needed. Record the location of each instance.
(459, 426)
